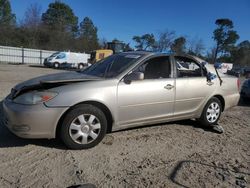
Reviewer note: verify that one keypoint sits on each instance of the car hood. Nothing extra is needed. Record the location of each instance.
(50, 81)
(64, 77)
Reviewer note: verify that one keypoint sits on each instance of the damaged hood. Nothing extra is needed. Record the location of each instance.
(58, 78)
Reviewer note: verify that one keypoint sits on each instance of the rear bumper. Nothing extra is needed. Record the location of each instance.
(231, 100)
(31, 121)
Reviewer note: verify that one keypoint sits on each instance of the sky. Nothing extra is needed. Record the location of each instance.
(123, 19)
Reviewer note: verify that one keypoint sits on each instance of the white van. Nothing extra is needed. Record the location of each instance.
(67, 60)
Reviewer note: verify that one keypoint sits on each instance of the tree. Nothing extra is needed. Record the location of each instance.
(103, 43)
(224, 36)
(32, 16)
(88, 34)
(178, 45)
(196, 47)
(241, 54)
(6, 16)
(144, 42)
(165, 40)
(60, 17)
(128, 48)
(31, 26)
(7, 24)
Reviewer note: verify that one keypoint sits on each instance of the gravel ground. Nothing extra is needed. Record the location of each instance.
(179, 154)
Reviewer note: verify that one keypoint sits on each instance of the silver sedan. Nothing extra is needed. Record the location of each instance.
(122, 91)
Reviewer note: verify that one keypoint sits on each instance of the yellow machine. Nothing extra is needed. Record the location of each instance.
(112, 48)
(97, 55)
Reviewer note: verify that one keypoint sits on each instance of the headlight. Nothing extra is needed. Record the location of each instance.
(35, 97)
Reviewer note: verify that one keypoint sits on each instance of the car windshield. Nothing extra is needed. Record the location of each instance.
(112, 66)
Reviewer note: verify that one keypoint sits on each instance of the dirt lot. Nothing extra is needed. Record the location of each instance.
(179, 154)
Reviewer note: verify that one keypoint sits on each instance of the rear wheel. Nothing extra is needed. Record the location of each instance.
(211, 112)
(83, 127)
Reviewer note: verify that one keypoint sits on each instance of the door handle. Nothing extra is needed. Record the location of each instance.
(169, 86)
(210, 83)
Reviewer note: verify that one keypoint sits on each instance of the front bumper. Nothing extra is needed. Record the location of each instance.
(31, 121)
(48, 64)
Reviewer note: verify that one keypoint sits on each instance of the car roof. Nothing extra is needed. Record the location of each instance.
(148, 53)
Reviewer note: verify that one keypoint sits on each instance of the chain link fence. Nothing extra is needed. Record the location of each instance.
(23, 55)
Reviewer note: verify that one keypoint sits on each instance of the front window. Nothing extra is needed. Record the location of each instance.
(61, 56)
(112, 66)
(156, 68)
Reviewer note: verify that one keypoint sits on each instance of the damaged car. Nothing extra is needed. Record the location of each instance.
(125, 90)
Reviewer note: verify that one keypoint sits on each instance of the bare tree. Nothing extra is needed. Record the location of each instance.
(103, 42)
(210, 55)
(32, 16)
(31, 25)
(166, 39)
(196, 46)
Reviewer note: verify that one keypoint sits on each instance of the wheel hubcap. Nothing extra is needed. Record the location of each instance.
(213, 112)
(85, 129)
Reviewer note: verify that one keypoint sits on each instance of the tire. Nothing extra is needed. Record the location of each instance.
(81, 66)
(211, 112)
(56, 65)
(83, 127)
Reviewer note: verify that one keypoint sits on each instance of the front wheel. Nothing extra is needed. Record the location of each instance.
(211, 112)
(83, 127)
(56, 65)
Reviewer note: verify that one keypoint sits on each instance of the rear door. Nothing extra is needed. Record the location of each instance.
(148, 99)
(192, 87)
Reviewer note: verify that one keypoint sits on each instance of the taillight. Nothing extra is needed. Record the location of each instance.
(238, 84)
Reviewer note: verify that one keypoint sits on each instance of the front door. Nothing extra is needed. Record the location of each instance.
(148, 99)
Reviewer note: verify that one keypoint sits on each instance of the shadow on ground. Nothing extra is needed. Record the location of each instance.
(221, 172)
(244, 102)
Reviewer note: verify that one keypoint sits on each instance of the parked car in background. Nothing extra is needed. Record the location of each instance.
(247, 72)
(122, 91)
(245, 91)
(238, 71)
(67, 60)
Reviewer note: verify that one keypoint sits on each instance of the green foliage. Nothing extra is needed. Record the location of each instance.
(241, 54)
(178, 45)
(145, 42)
(196, 47)
(224, 36)
(60, 16)
(88, 35)
(6, 16)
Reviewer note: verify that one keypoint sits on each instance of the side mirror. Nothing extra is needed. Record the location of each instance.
(133, 76)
